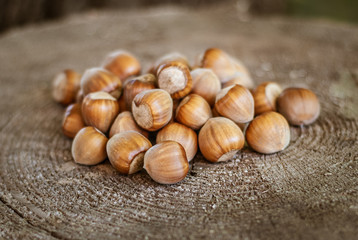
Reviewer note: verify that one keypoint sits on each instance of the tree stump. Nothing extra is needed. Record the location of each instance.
(308, 191)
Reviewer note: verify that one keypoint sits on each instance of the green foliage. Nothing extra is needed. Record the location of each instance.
(346, 10)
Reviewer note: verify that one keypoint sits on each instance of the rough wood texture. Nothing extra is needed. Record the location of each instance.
(308, 191)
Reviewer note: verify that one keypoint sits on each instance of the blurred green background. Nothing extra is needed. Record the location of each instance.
(342, 10)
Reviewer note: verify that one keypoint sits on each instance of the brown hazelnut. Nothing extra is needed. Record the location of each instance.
(65, 86)
(126, 151)
(99, 79)
(167, 58)
(299, 106)
(72, 120)
(205, 84)
(181, 134)
(123, 64)
(222, 64)
(166, 162)
(265, 97)
(152, 109)
(175, 78)
(235, 102)
(241, 78)
(99, 109)
(268, 133)
(122, 104)
(136, 85)
(125, 122)
(219, 139)
(89, 146)
(193, 111)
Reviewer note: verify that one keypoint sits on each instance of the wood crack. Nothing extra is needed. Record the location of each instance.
(19, 214)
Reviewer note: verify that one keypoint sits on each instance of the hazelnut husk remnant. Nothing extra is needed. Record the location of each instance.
(152, 109)
(175, 78)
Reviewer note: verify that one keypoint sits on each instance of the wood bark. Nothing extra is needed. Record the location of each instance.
(308, 191)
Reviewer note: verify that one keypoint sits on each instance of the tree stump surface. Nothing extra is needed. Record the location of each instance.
(308, 191)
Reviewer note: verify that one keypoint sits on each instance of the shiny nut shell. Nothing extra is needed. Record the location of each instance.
(126, 151)
(219, 139)
(222, 64)
(99, 109)
(123, 64)
(265, 97)
(65, 86)
(181, 134)
(152, 109)
(166, 162)
(268, 133)
(205, 84)
(125, 122)
(99, 79)
(236, 103)
(193, 111)
(136, 85)
(299, 106)
(175, 78)
(167, 58)
(89, 146)
(72, 120)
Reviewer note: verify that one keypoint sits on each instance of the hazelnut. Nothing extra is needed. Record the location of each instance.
(265, 97)
(235, 102)
(136, 85)
(219, 139)
(181, 134)
(122, 63)
(99, 109)
(299, 106)
(79, 96)
(240, 78)
(175, 78)
(72, 120)
(65, 86)
(205, 84)
(125, 122)
(126, 151)
(99, 79)
(89, 146)
(167, 58)
(222, 64)
(193, 111)
(122, 104)
(152, 109)
(166, 162)
(268, 133)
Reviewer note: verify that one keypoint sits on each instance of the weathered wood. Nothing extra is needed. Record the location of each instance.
(308, 191)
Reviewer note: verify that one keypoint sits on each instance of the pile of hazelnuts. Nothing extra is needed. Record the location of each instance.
(112, 112)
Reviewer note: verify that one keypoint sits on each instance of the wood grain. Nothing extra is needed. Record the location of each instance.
(308, 191)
